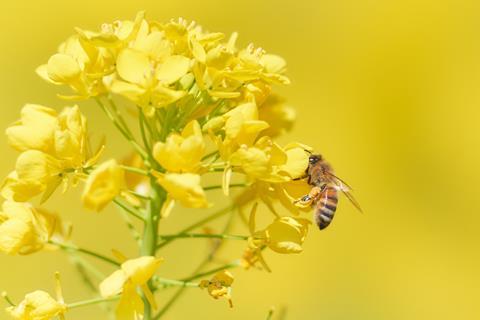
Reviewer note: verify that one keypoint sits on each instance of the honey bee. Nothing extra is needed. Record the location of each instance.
(323, 195)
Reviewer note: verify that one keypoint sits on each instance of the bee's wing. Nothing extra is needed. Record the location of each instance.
(345, 188)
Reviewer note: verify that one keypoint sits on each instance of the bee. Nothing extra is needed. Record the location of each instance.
(324, 193)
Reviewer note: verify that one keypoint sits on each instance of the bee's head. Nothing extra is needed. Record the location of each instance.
(314, 158)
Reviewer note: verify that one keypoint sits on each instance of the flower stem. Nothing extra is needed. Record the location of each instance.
(232, 185)
(170, 282)
(200, 267)
(91, 302)
(149, 239)
(129, 210)
(214, 216)
(134, 170)
(69, 247)
(202, 235)
(231, 265)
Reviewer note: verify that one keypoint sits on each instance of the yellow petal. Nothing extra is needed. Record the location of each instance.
(273, 63)
(140, 270)
(35, 129)
(62, 68)
(163, 96)
(113, 284)
(130, 306)
(130, 91)
(253, 161)
(37, 167)
(297, 163)
(184, 187)
(103, 185)
(287, 234)
(198, 51)
(14, 233)
(133, 66)
(19, 190)
(172, 69)
(37, 305)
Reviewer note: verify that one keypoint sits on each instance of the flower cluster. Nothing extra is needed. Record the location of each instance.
(204, 107)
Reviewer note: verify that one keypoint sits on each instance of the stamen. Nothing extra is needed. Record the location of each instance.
(7, 298)
(58, 288)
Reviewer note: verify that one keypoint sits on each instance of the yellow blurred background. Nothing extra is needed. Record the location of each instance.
(387, 91)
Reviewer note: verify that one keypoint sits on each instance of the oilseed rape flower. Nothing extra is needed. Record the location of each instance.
(24, 229)
(103, 184)
(184, 188)
(284, 235)
(219, 286)
(52, 146)
(203, 115)
(181, 152)
(39, 305)
(132, 274)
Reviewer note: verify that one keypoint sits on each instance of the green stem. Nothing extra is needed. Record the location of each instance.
(91, 302)
(149, 239)
(135, 170)
(205, 262)
(202, 235)
(119, 116)
(232, 185)
(212, 217)
(138, 195)
(142, 125)
(69, 247)
(231, 265)
(209, 155)
(170, 282)
(129, 210)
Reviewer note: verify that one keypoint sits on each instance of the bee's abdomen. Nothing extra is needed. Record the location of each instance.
(326, 207)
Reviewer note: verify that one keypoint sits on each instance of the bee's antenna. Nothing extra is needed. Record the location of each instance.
(308, 151)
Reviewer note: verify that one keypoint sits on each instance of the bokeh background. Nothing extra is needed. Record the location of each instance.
(388, 91)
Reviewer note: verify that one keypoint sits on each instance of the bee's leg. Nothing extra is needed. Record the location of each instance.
(308, 199)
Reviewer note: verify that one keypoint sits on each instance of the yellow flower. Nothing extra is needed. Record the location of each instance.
(54, 145)
(287, 234)
(241, 126)
(219, 286)
(267, 161)
(71, 137)
(284, 235)
(38, 305)
(34, 130)
(103, 184)
(35, 172)
(136, 182)
(139, 80)
(114, 34)
(185, 188)
(25, 229)
(79, 65)
(132, 274)
(181, 153)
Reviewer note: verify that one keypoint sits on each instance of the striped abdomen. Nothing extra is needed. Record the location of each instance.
(325, 207)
